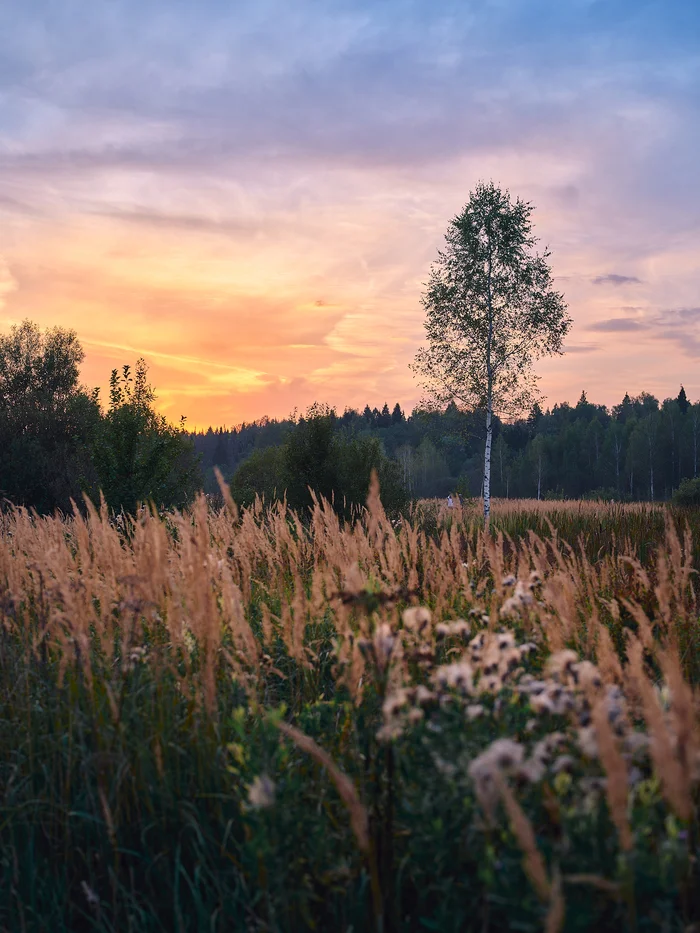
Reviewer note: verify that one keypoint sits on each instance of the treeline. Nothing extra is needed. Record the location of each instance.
(58, 442)
(640, 449)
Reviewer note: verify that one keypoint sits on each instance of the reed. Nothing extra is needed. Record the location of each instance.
(505, 721)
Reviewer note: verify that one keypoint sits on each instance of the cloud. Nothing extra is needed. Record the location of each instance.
(265, 187)
(615, 279)
(582, 348)
(13, 205)
(618, 325)
(227, 226)
(677, 317)
(8, 283)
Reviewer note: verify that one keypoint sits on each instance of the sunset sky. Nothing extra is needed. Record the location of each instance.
(250, 194)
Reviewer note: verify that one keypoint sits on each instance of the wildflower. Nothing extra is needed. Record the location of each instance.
(563, 763)
(423, 696)
(560, 666)
(501, 757)
(416, 618)
(511, 607)
(447, 629)
(491, 684)
(532, 770)
(394, 703)
(504, 754)
(545, 748)
(261, 793)
(90, 896)
(505, 640)
(585, 674)
(636, 743)
(458, 676)
(474, 710)
(587, 741)
(390, 731)
(541, 703)
(383, 644)
(446, 768)
(523, 594)
(477, 643)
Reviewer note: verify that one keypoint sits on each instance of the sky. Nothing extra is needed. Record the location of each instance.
(250, 195)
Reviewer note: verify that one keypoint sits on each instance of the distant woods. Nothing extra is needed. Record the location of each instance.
(59, 441)
(640, 449)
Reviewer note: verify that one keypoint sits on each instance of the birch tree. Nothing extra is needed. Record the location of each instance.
(491, 312)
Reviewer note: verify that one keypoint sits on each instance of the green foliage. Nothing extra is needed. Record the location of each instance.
(138, 455)
(262, 474)
(319, 459)
(492, 311)
(491, 307)
(583, 448)
(309, 457)
(688, 493)
(354, 460)
(47, 420)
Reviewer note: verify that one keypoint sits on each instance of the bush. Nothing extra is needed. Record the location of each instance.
(318, 458)
(688, 493)
(262, 474)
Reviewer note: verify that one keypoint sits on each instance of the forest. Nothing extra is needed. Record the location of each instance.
(638, 450)
(60, 444)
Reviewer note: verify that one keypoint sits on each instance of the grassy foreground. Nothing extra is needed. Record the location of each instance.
(214, 722)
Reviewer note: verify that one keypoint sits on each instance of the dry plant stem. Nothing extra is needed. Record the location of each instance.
(554, 922)
(595, 881)
(675, 780)
(533, 862)
(616, 770)
(359, 820)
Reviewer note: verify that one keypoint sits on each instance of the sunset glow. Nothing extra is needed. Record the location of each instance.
(250, 198)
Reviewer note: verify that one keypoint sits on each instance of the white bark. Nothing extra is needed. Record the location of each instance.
(487, 465)
(489, 405)
(618, 451)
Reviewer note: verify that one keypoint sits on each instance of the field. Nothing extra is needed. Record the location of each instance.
(213, 721)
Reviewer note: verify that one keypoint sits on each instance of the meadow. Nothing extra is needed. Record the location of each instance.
(260, 721)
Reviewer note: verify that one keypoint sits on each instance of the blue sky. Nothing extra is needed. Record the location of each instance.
(251, 194)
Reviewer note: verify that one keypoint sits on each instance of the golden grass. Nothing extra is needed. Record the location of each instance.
(213, 594)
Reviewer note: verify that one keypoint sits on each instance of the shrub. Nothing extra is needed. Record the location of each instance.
(688, 493)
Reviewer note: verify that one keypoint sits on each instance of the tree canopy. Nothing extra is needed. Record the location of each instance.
(56, 444)
(491, 312)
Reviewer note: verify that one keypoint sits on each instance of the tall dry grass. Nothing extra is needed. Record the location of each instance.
(401, 621)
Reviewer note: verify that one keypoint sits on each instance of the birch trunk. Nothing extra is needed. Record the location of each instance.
(489, 402)
(487, 465)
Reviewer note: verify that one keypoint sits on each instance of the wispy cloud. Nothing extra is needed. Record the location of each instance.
(577, 348)
(613, 278)
(262, 189)
(619, 325)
